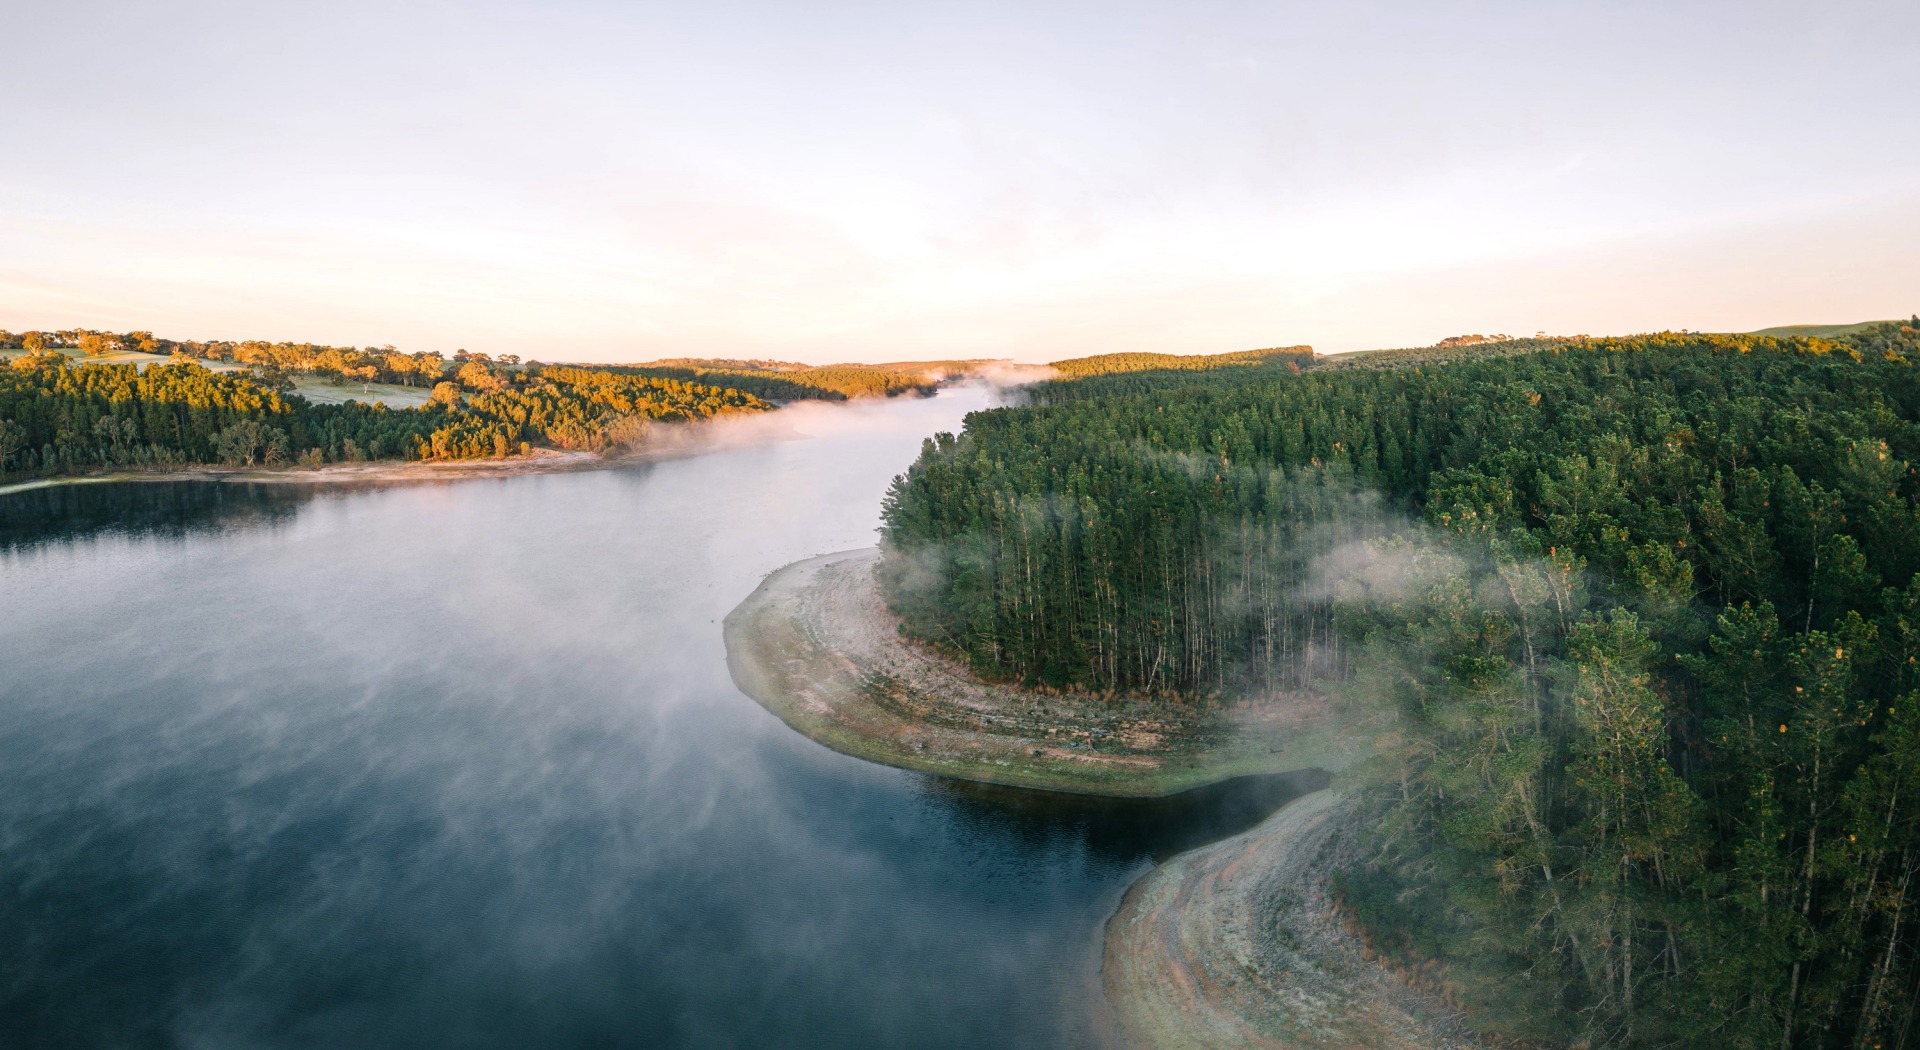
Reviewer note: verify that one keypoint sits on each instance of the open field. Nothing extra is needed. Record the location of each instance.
(118, 357)
(1822, 331)
(816, 645)
(392, 395)
(313, 388)
(125, 357)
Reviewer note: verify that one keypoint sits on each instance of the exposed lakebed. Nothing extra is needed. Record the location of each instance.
(462, 765)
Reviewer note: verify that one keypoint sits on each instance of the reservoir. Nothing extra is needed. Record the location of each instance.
(461, 765)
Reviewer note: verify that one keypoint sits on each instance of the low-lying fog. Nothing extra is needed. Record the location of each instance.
(461, 765)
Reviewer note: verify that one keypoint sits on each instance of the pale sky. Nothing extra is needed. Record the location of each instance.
(845, 181)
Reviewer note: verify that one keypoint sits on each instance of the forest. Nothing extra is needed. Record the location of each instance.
(781, 381)
(271, 360)
(58, 415)
(765, 379)
(1642, 615)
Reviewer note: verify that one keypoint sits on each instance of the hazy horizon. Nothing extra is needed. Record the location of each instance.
(851, 182)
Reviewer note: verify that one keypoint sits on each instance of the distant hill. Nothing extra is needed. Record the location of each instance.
(1823, 331)
(1459, 348)
(794, 381)
(1116, 364)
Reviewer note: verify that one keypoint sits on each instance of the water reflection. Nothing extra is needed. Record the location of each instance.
(1129, 830)
(461, 766)
(165, 509)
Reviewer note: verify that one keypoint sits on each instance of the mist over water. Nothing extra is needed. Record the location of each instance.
(461, 765)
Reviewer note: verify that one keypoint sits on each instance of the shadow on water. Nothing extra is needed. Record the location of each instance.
(163, 509)
(1124, 830)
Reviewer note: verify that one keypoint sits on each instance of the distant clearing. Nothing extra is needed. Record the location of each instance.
(314, 388)
(124, 357)
(1823, 331)
(392, 395)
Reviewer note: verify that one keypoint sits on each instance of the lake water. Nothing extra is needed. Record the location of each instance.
(460, 765)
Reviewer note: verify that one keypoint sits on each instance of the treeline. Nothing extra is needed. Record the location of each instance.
(278, 362)
(1105, 375)
(1448, 350)
(271, 360)
(60, 416)
(1646, 613)
(1117, 364)
(778, 381)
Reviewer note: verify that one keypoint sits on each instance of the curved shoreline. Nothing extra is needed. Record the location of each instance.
(815, 645)
(1237, 945)
(1234, 944)
(373, 472)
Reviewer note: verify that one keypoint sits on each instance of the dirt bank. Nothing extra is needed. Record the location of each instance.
(380, 472)
(1236, 945)
(816, 645)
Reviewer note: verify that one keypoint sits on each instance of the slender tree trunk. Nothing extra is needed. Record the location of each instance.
(1883, 970)
(1806, 892)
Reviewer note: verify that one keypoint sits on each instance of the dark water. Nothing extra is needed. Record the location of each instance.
(461, 766)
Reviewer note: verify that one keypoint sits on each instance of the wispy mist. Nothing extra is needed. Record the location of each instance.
(461, 765)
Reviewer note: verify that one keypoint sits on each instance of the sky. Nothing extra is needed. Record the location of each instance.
(850, 181)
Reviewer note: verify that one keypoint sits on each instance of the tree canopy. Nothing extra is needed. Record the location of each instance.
(60, 416)
(1644, 613)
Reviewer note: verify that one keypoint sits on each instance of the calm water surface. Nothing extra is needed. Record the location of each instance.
(461, 766)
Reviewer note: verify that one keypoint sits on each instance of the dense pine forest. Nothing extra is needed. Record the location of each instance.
(62, 416)
(1643, 616)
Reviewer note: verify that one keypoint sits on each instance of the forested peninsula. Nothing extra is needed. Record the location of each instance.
(74, 403)
(1632, 625)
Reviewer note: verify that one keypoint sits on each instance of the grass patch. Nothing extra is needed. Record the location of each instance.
(1818, 331)
(392, 395)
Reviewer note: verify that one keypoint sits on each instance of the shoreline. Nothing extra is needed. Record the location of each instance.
(1232, 944)
(377, 472)
(1237, 944)
(671, 441)
(815, 645)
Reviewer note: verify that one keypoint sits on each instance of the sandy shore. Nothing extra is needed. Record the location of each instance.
(816, 645)
(1237, 945)
(376, 472)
